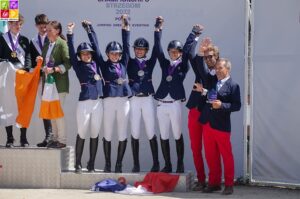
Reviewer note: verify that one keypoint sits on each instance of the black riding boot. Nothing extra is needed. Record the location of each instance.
(154, 150)
(180, 154)
(107, 153)
(121, 152)
(135, 153)
(165, 147)
(23, 138)
(93, 152)
(78, 152)
(10, 137)
(48, 131)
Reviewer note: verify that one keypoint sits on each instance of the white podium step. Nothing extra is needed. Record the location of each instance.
(54, 168)
(34, 167)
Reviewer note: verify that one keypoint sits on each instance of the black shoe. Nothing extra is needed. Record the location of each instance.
(52, 144)
(228, 190)
(198, 186)
(24, 143)
(210, 189)
(93, 152)
(43, 144)
(10, 142)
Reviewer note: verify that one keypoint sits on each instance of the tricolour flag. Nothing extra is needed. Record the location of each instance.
(50, 106)
(26, 90)
(18, 90)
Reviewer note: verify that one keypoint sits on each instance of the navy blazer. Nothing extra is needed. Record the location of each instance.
(229, 95)
(143, 84)
(90, 88)
(110, 75)
(196, 100)
(5, 51)
(34, 53)
(175, 86)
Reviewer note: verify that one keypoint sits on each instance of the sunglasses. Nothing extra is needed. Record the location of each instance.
(208, 57)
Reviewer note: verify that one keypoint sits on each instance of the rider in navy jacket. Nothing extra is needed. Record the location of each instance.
(111, 87)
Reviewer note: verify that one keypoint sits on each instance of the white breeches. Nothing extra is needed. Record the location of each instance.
(142, 107)
(169, 113)
(115, 108)
(89, 117)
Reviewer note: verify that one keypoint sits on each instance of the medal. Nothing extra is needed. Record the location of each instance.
(141, 73)
(14, 46)
(171, 70)
(169, 78)
(120, 80)
(13, 54)
(97, 77)
(141, 65)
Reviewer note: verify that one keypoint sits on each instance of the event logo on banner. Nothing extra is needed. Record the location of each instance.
(120, 7)
(9, 10)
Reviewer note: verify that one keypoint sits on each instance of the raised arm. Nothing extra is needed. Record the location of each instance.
(157, 37)
(125, 39)
(70, 42)
(191, 43)
(160, 53)
(94, 42)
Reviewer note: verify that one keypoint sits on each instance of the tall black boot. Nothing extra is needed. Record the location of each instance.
(180, 154)
(48, 132)
(165, 147)
(135, 153)
(78, 152)
(121, 152)
(10, 138)
(93, 152)
(107, 154)
(23, 138)
(154, 150)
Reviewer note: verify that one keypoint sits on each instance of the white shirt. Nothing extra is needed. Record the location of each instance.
(50, 48)
(222, 82)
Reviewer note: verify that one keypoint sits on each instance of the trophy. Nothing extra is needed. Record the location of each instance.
(211, 95)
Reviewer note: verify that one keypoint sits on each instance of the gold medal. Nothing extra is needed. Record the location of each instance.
(169, 78)
(13, 54)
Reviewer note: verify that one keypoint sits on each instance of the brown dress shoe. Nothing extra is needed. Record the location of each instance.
(228, 190)
(210, 188)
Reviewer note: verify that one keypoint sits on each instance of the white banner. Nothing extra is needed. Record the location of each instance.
(276, 84)
(224, 22)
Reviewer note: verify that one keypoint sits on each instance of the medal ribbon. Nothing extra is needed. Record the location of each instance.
(141, 64)
(94, 67)
(40, 42)
(14, 46)
(172, 68)
(118, 69)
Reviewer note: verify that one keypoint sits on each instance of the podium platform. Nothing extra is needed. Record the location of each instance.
(34, 167)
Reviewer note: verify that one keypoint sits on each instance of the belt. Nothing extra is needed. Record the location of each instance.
(165, 101)
(141, 95)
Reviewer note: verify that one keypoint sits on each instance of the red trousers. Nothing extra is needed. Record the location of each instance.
(195, 131)
(216, 144)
